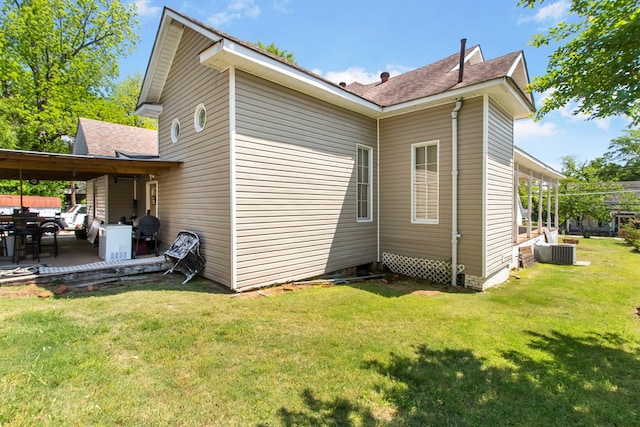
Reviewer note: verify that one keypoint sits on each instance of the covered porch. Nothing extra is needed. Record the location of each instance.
(535, 199)
(78, 259)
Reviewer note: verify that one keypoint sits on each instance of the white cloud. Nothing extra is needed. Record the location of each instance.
(359, 74)
(567, 112)
(236, 9)
(529, 130)
(553, 12)
(282, 6)
(145, 8)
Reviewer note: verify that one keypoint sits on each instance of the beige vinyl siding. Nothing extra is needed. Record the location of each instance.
(90, 201)
(397, 234)
(499, 189)
(101, 198)
(470, 185)
(196, 196)
(120, 199)
(296, 185)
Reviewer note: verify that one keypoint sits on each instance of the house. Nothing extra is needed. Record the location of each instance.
(44, 205)
(620, 200)
(286, 175)
(113, 196)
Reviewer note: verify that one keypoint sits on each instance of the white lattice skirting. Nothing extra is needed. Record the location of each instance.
(436, 271)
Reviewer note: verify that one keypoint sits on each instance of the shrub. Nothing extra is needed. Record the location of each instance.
(631, 233)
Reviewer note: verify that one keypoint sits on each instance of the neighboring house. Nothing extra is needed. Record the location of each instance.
(619, 215)
(44, 205)
(286, 175)
(111, 197)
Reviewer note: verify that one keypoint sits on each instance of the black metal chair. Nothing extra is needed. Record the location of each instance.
(50, 226)
(25, 229)
(146, 229)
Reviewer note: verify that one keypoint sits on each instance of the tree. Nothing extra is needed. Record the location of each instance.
(622, 159)
(272, 48)
(583, 196)
(119, 104)
(599, 64)
(58, 56)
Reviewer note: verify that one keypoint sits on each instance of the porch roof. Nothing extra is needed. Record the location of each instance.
(526, 164)
(18, 164)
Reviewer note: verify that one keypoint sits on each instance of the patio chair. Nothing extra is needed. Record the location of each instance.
(49, 226)
(146, 229)
(184, 255)
(25, 229)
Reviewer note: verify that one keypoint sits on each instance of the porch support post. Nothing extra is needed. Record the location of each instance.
(515, 220)
(529, 203)
(540, 205)
(557, 190)
(549, 225)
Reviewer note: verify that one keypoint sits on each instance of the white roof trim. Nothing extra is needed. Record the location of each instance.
(469, 58)
(149, 110)
(226, 53)
(522, 158)
(516, 63)
(496, 88)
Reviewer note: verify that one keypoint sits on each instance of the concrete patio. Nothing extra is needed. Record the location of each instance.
(77, 260)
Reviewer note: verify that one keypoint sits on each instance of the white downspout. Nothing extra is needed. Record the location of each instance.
(378, 258)
(454, 192)
(233, 277)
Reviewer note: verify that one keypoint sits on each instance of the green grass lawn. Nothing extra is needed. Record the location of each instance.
(560, 345)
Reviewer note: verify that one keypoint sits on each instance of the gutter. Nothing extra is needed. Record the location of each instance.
(454, 192)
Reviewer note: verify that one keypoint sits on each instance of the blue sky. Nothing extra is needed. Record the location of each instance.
(355, 40)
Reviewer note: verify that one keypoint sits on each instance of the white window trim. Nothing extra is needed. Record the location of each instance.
(175, 136)
(415, 220)
(369, 217)
(196, 123)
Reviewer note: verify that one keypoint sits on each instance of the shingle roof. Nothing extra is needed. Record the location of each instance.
(433, 79)
(424, 83)
(104, 139)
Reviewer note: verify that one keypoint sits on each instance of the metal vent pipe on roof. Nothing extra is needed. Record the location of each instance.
(463, 43)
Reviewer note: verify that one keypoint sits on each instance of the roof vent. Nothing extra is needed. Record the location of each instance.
(384, 76)
(343, 84)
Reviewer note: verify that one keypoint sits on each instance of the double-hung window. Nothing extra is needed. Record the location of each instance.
(364, 172)
(424, 180)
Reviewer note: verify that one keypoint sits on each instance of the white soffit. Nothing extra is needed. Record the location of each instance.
(534, 165)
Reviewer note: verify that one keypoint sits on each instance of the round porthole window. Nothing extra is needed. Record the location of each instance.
(200, 118)
(175, 130)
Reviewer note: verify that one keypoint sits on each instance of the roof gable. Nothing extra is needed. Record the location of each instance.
(504, 78)
(442, 76)
(98, 138)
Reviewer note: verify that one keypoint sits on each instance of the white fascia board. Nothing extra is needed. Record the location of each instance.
(526, 160)
(476, 50)
(496, 88)
(197, 28)
(149, 110)
(225, 53)
(516, 63)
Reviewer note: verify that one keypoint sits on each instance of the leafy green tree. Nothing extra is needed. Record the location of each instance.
(119, 104)
(621, 162)
(272, 48)
(57, 56)
(598, 66)
(584, 196)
